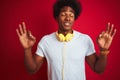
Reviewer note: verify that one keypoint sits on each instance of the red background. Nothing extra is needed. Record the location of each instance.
(38, 17)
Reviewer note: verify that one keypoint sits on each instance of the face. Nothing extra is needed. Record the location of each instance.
(66, 18)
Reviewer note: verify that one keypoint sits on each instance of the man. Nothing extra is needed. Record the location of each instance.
(66, 49)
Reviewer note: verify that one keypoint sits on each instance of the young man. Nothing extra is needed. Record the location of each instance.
(66, 49)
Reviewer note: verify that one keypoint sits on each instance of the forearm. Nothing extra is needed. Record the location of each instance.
(101, 63)
(29, 61)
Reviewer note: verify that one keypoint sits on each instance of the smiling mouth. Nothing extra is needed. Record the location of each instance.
(67, 24)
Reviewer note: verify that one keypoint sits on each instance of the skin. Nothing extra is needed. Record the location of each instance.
(65, 21)
(66, 16)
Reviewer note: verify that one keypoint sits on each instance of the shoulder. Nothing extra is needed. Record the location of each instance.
(81, 35)
(47, 37)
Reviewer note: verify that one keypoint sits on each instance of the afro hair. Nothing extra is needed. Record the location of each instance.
(74, 4)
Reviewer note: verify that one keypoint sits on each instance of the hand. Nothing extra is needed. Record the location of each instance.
(105, 38)
(26, 38)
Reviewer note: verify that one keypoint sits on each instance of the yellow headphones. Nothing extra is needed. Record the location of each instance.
(63, 38)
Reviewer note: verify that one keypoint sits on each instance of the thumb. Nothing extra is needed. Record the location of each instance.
(30, 35)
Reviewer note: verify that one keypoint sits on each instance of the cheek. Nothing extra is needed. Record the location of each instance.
(72, 20)
(60, 20)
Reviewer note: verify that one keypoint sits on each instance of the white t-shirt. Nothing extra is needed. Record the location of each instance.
(66, 60)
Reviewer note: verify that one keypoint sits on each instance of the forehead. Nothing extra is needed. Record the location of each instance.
(67, 8)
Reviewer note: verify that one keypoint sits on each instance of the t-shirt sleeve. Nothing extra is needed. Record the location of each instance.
(41, 48)
(90, 47)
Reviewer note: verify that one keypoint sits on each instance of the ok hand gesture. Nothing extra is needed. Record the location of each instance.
(26, 38)
(106, 37)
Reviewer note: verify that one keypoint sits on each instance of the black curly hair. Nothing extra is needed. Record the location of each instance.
(74, 4)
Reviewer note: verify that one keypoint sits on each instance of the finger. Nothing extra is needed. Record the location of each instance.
(18, 33)
(29, 32)
(21, 30)
(24, 27)
(30, 35)
(114, 33)
(103, 32)
(108, 27)
(101, 35)
(111, 29)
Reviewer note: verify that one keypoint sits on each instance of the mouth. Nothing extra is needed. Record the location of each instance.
(67, 23)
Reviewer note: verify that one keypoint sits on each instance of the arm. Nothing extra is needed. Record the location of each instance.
(32, 62)
(98, 63)
(27, 40)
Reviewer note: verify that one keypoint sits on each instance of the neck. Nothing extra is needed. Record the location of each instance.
(65, 32)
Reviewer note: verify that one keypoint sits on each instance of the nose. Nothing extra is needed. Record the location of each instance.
(67, 18)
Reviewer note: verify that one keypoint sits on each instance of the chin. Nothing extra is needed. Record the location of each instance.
(67, 29)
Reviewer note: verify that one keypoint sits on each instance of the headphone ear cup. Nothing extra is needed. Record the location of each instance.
(68, 37)
(61, 37)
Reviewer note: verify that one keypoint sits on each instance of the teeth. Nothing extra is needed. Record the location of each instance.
(67, 24)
